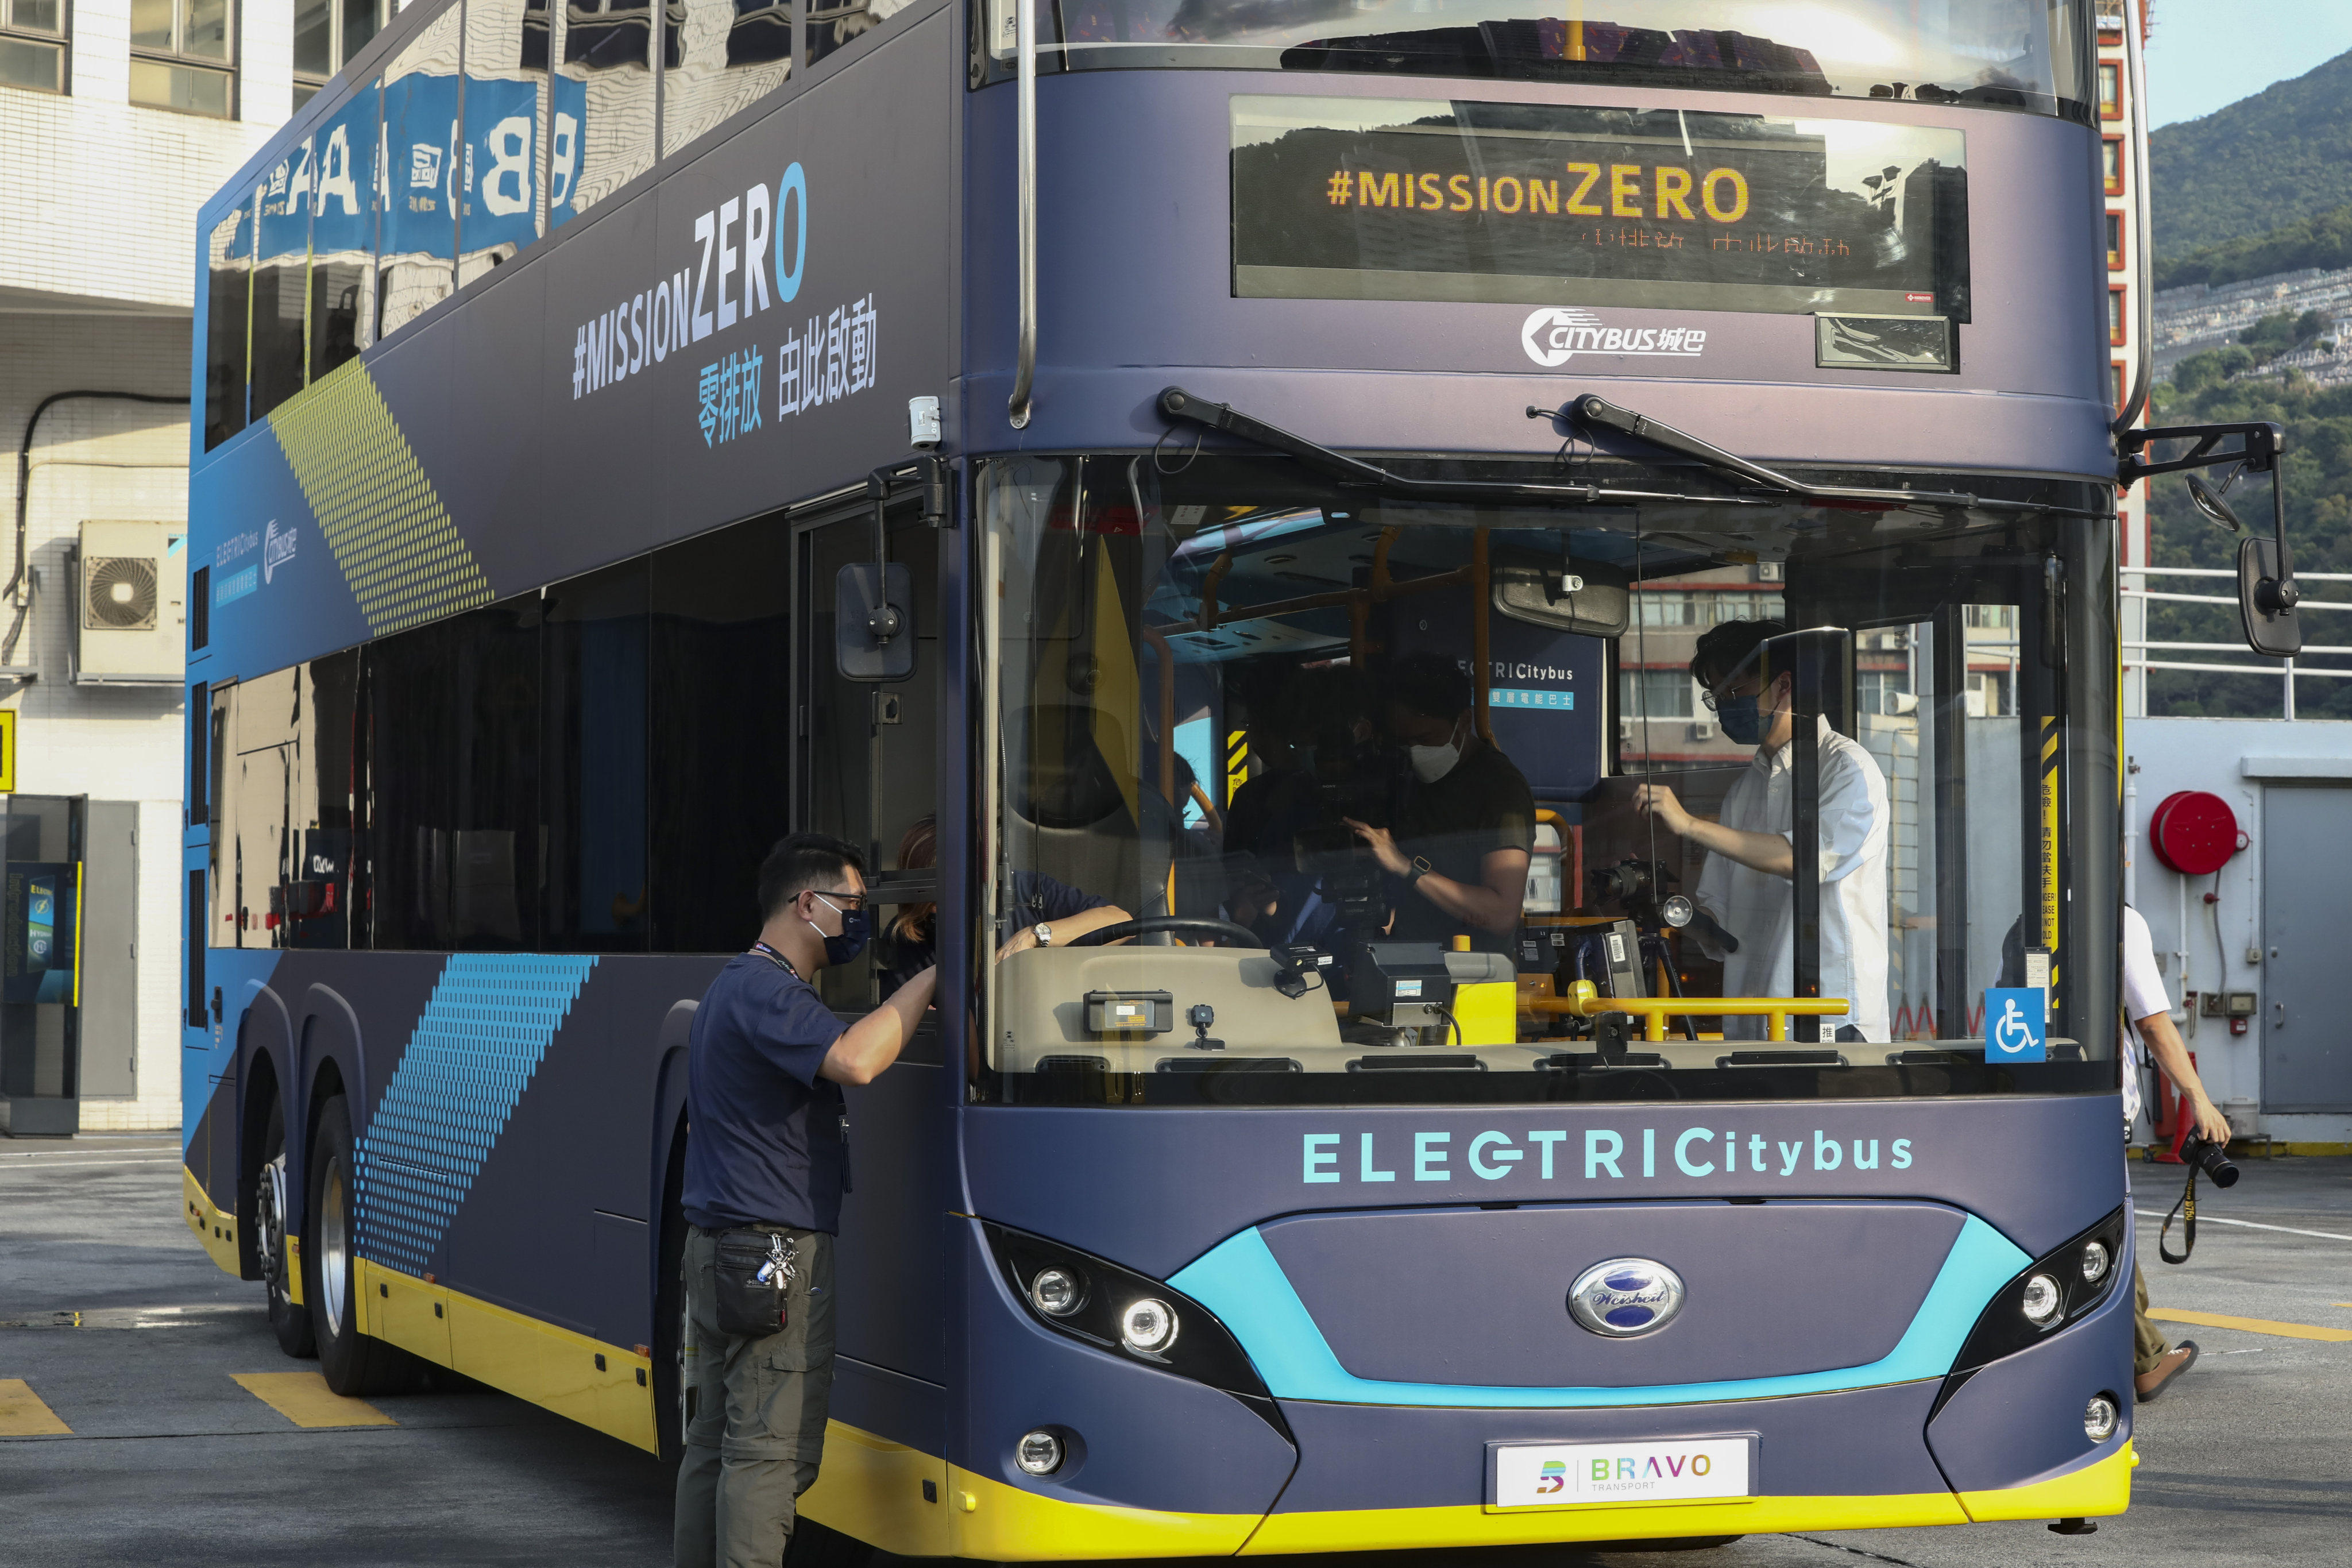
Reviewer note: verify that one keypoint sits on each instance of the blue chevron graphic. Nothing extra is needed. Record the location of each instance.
(482, 1036)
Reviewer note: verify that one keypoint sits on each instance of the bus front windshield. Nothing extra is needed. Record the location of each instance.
(1301, 795)
(2015, 54)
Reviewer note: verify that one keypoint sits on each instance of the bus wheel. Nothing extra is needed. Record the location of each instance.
(353, 1364)
(815, 1545)
(291, 1323)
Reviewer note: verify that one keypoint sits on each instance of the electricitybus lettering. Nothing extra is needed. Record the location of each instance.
(1600, 1155)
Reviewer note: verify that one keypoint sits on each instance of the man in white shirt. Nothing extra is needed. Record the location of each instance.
(2155, 1363)
(1746, 886)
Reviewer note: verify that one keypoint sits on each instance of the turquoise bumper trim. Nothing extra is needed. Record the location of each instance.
(1239, 1280)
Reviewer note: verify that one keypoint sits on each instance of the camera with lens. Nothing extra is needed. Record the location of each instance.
(2206, 1156)
(1638, 886)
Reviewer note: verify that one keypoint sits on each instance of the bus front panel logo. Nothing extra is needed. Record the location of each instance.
(1553, 336)
(1625, 1297)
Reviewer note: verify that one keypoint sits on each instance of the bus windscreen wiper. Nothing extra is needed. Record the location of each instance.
(1594, 410)
(1180, 406)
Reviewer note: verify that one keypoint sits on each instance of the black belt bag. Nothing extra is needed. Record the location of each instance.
(755, 1268)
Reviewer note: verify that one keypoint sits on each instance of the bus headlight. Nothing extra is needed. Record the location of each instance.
(2095, 1262)
(2099, 1418)
(1147, 1326)
(1056, 1292)
(2041, 1300)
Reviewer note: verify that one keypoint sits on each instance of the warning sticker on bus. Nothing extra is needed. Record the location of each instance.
(1519, 203)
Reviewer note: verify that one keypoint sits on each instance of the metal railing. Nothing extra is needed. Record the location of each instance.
(2287, 671)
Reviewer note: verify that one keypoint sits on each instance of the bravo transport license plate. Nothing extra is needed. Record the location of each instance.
(1556, 1475)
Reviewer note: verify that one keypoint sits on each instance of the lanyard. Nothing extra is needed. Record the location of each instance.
(772, 956)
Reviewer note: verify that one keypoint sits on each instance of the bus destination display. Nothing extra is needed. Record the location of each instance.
(1546, 204)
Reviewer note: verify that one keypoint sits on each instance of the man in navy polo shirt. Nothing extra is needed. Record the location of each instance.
(766, 1163)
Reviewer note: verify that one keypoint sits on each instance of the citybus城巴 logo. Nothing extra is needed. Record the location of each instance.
(1555, 335)
(1625, 1297)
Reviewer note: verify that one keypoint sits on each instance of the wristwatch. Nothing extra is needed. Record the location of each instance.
(1421, 867)
(1044, 933)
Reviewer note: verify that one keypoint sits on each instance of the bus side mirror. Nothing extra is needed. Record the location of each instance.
(874, 621)
(2266, 600)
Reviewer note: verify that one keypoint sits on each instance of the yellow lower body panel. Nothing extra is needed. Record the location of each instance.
(1371, 1529)
(599, 1386)
(998, 1523)
(873, 1489)
(2097, 1489)
(214, 1226)
(990, 1521)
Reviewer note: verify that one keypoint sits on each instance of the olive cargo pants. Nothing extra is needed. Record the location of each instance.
(755, 1412)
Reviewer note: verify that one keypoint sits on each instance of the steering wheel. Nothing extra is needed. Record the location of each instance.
(1226, 931)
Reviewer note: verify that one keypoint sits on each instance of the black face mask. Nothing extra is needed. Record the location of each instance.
(855, 930)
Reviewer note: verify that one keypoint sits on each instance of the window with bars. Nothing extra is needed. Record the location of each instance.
(326, 34)
(184, 56)
(33, 45)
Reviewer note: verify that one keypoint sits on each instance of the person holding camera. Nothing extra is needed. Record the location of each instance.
(2155, 1362)
(1745, 888)
(766, 1163)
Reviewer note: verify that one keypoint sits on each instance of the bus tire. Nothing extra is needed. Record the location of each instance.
(290, 1322)
(815, 1545)
(355, 1364)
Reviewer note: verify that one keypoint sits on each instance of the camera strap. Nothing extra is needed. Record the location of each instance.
(2189, 1230)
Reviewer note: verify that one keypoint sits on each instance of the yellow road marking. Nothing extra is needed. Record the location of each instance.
(304, 1398)
(22, 1413)
(2251, 1325)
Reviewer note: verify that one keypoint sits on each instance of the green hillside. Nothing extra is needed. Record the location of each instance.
(2265, 162)
(2319, 530)
(2324, 241)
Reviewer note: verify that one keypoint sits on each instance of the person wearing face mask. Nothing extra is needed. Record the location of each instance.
(766, 1163)
(1745, 888)
(1457, 856)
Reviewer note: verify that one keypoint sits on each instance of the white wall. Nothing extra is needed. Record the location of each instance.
(94, 460)
(98, 198)
(2207, 755)
(97, 203)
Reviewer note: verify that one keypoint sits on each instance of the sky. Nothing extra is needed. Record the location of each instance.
(2204, 55)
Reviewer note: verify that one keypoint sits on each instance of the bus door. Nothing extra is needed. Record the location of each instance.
(867, 750)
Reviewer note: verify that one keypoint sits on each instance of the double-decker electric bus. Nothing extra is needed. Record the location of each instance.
(1270, 472)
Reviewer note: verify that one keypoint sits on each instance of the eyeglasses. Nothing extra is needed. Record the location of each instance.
(853, 900)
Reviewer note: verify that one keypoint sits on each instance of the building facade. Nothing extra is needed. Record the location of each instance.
(117, 122)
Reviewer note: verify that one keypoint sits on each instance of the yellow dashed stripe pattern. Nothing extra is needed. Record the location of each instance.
(405, 560)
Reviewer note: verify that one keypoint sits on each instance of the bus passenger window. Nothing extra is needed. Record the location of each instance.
(282, 276)
(346, 202)
(228, 300)
(603, 105)
(453, 748)
(500, 211)
(834, 25)
(730, 53)
(720, 717)
(282, 840)
(416, 268)
(592, 772)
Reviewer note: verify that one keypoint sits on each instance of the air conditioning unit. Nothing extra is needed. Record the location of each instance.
(131, 611)
(1703, 731)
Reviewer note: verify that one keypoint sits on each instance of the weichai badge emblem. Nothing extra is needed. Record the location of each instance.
(1625, 1297)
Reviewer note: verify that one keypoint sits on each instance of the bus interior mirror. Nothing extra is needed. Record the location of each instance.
(872, 621)
(1580, 597)
(2266, 601)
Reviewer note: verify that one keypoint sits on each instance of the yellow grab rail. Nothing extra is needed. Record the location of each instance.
(1584, 1001)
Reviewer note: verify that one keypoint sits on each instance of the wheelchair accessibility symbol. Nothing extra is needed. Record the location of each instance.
(2014, 1024)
